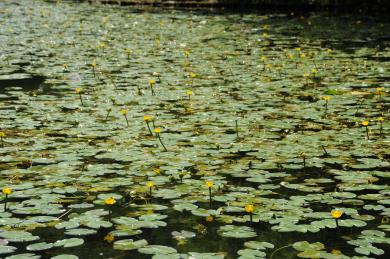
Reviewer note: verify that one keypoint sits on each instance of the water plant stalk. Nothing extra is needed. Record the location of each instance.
(5, 202)
(2, 135)
(237, 127)
(157, 131)
(108, 113)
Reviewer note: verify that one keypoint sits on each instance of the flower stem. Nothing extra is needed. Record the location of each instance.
(150, 131)
(210, 196)
(277, 250)
(81, 99)
(159, 138)
(237, 127)
(2, 142)
(368, 137)
(127, 121)
(108, 113)
(5, 202)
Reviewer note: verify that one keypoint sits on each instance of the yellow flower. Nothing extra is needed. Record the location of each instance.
(110, 201)
(148, 118)
(157, 170)
(2, 134)
(7, 190)
(336, 213)
(302, 55)
(379, 119)
(190, 93)
(327, 98)
(298, 49)
(209, 184)
(150, 184)
(193, 75)
(209, 218)
(249, 208)
(157, 130)
(109, 238)
(306, 75)
(290, 56)
(365, 123)
(379, 89)
(93, 64)
(77, 90)
(263, 59)
(152, 82)
(124, 112)
(314, 71)
(328, 50)
(186, 53)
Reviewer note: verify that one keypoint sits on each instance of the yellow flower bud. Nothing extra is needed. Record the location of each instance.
(209, 184)
(110, 201)
(7, 191)
(249, 208)
(336, 213)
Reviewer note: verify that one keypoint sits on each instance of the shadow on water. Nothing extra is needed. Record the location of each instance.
(27, 82)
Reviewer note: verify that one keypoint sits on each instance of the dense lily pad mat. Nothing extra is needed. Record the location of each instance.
(283, 120)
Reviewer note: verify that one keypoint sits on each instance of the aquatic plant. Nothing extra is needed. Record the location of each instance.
(152, 82)
(78, 91)
(365, 124)
(150, 185)
(2, 135)
(336, 214)
(148, 119)
(124, 113)
(249, 209)
(6, 191)
(158, 131)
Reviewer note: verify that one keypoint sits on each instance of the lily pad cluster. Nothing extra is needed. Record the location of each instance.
(151, 133)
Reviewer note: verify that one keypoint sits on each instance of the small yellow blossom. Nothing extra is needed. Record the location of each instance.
(190, 93)
(290, 56)
(193, 75)
(209, 218)
(150, 184)
(249, 208)
(336, 213)
(302, 55)
(152, 82)
(109, 238)
(7, 190)
(124, 112)
(209, 184)
(157, 170)
(327, 98)
(2, 134)
(110, 201)
(263, 59)
(365, 123)
(148, 118)
(93, 64)
(157, 130)
(298, 49)
(77, 90)
(314, 71)
(379, 119)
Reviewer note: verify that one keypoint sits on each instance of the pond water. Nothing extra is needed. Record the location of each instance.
(147, 133)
